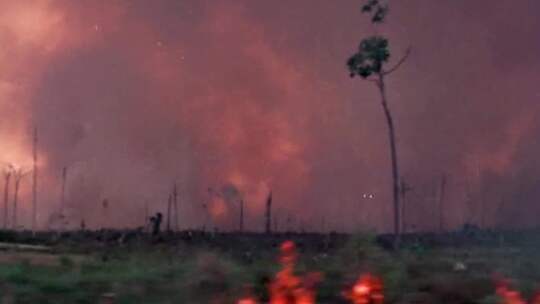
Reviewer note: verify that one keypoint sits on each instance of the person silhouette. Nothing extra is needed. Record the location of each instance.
(156, 223)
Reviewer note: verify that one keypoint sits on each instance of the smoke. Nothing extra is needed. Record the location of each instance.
(249, 97)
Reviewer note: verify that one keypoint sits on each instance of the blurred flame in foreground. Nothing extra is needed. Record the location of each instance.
(366, 290)
(510, 296)
(287, 288)
(247, 301)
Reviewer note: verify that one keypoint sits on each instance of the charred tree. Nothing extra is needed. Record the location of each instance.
(34, 178)
(175, 207)
(441, 202)
(15, 196)
(241, 224)
(105, 209)
(7, 178)
(268, 215)
(63, 191)
(169, 203)
(404, 189)
(18, 176)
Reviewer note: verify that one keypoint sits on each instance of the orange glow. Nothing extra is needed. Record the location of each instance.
(366, 290)
(32, 23)
(218, 208)
(510, 296)
(288, 288)
(247, 301)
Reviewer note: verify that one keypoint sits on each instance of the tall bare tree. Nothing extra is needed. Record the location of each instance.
(18, 175)
(169, 203)
(442, 188)
(369, 63)
(268, 215)
(63, 191)
(34, 179)
(241, 224)
(404, 189)
(8, 171)
(175, 206)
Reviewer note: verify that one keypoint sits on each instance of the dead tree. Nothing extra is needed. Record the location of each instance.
(63, 191)
(175, 206)
(18, 175)
(268, 215)
(7, 177)
(241, 224)
(169, 203)
(105, 208)
(34, 179)
(404, 188)
(441, 202)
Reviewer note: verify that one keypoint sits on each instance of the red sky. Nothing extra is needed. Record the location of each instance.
(245, 97)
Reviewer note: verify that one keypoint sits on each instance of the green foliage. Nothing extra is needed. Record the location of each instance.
(373, 51)
(377, 9)
(369, 59)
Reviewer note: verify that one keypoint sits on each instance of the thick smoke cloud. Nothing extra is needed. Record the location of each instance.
(233, 99)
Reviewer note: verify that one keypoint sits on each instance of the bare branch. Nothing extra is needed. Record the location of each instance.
(400, 62)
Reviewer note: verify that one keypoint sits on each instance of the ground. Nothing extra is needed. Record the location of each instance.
(211, 268)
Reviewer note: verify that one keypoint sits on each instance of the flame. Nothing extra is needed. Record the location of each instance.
(511, 296)
(366, 290)
(288, 288)
(247, 301)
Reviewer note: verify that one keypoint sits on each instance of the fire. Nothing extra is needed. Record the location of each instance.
(510, 296)
(247, 301)
(288, 288)
(366, 290)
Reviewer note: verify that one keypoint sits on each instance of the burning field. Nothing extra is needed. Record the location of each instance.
(229, 152)
(258, 269)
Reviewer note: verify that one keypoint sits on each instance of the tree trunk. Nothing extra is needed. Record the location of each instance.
(34, 180)
(241, 226)
(268, 227)
(6, 198)
(393, 155)
(175, 206)
(169, 202)
(403, 214)
(441, 202)
(15, 201)
(63, 191)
